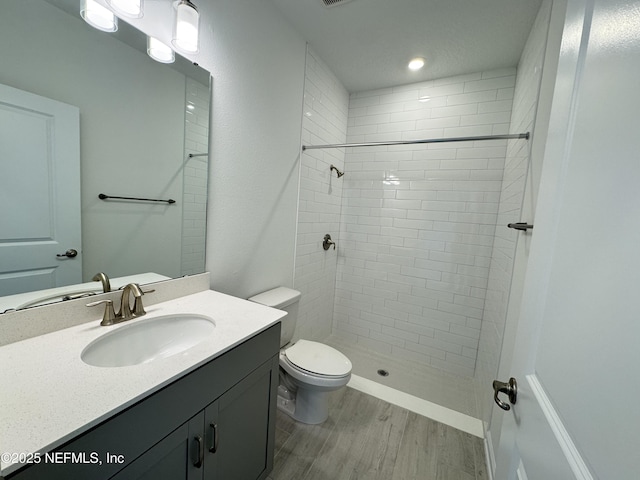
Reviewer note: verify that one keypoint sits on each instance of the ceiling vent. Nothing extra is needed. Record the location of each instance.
(334, 3)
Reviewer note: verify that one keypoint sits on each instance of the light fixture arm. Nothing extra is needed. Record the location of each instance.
(188, 3)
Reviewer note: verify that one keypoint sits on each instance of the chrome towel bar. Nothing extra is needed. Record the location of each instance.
(102, 196)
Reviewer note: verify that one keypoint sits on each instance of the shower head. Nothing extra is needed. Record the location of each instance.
(338, 172)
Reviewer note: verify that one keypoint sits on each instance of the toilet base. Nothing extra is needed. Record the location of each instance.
(306, 406)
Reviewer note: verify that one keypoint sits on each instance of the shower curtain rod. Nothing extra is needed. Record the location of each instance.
(411, 142)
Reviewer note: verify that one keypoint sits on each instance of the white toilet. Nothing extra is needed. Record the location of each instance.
(308, 370)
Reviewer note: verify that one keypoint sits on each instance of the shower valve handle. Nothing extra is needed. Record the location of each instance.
(327, 242)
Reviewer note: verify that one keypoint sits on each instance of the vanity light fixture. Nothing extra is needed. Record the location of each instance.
(98, 16)
(127, 8)
(185, 31)
(416, 64)
(159, 51)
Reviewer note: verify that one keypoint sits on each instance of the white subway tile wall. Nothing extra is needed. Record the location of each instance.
(194, 197)
(511, 199)
(418, 221)
(324, 120)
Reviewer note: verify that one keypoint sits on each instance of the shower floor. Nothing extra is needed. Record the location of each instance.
(428, 383)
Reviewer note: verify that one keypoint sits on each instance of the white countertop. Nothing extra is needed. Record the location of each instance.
(48, 395)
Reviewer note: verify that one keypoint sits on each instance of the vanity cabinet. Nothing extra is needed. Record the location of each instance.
(224, 441)
(217, 422)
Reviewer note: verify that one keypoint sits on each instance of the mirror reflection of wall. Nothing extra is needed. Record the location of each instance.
(139, 121)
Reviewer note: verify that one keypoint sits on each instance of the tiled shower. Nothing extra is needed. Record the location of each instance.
(418, 221)
(421, 249)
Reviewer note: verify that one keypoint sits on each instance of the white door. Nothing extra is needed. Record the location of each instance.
(39, 193)
(576, 355)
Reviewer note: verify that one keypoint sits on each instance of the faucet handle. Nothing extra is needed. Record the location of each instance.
(138, 308)
(109, 317)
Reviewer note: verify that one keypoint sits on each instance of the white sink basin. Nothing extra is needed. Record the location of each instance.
(148, 340)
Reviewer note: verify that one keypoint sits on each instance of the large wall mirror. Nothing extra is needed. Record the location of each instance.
(142, 133)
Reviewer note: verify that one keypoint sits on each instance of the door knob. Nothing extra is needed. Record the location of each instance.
(69, 253)
(510, 388)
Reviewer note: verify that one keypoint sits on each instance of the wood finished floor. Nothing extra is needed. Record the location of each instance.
(368, 438)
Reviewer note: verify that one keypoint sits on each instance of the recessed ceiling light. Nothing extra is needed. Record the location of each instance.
(416, 64)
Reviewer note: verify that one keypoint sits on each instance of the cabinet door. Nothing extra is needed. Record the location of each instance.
(166, 460)
(178, 456)
(242, 418)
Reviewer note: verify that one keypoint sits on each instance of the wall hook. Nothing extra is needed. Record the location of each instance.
(327, 242)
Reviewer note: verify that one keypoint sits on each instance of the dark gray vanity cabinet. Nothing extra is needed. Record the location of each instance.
(216, 423)
(224, 441)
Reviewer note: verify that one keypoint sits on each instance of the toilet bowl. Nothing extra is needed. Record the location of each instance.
(309, 370)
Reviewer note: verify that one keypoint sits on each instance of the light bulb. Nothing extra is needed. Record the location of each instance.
(98, 16)
(159, 51)
(185, 34)
(128, 8)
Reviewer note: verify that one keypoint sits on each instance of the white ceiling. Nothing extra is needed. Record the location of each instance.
(368, 43)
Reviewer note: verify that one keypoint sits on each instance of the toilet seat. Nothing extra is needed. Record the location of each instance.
(317, 359)
(309, 380)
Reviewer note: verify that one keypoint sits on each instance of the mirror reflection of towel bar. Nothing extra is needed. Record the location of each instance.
(102, 196)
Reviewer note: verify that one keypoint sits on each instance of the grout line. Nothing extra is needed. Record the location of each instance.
(417, 405)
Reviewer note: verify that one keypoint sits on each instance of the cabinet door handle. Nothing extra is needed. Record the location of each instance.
(200, 459)
(214, 446)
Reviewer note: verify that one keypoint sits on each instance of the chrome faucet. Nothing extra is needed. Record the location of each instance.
(126, 312)
(102, 277)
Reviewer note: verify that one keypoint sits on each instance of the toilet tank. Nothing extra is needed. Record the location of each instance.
(286, 299)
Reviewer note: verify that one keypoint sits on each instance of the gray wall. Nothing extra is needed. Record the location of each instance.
(257, 61)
